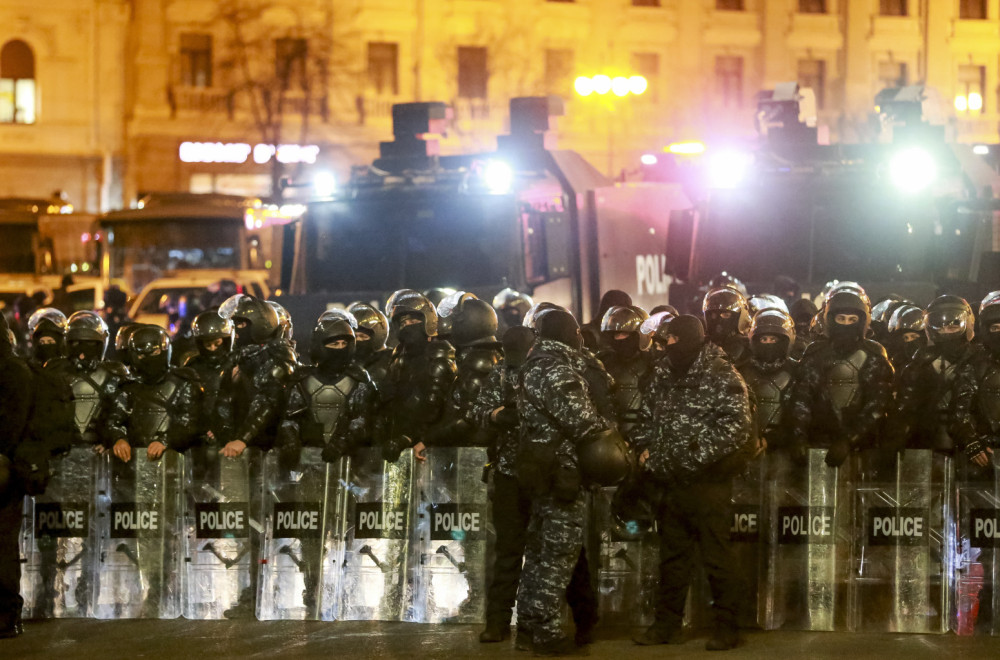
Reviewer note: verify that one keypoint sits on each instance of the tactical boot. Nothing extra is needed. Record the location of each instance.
(523, 640)
(659, 635)
(585, 633)
(495, 632)
(724, 638)
(559, 647)
(244, 607)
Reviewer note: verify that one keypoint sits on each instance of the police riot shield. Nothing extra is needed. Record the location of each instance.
(140, 528)
(301, 547)
(60, 539)
(899, 580)
(747, 516)
(376, 581)
(976, 569)
(808, 548)
(449, 537)
(627, 567)
(219, 527)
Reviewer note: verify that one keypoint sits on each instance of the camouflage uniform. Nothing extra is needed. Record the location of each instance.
(695, 426)
(556, 413)
(975, 415)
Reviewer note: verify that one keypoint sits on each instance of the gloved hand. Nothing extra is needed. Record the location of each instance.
(838, 453)
(289, 452)
(393, 447)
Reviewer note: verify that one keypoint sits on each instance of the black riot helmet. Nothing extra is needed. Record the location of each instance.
(764, 301)
(725, 300)
(604, 458)
(803, 310)
(559, 325)
(517, 341)
(149, 351)
(86, 338)
(621, 319)
(333, 325)
(255, 321)
(409, 302)
(849, 287)
(395, 295)
(776, 323)
(949, 320)
(371, 322)
(438, 294)
(906, 318)
(531, 317)
(473, 323)
(446, 309)
(989, 314)
(47, 331)
(209, 327)
(726, 281)
(846, 301)
(284, 320)
(511, 305)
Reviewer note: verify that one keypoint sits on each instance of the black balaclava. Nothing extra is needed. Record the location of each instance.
(769, 353)
(364, 349)
(690, 335)
(612, 298)
(244, 335)
(624, 348)
(802, 312)
(413, 335)
(217, 356)
(954, 346)
(85, 354)
(44, 352)
(845, 336)
(991, 338)
(720, 329)
(559, 325)
(335, 360)
(517, 341)
(151, 367)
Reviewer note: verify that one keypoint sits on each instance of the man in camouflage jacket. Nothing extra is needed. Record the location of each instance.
(693, 434)
(556, 415)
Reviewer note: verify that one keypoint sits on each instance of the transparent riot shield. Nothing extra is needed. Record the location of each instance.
(976, 569)
(898, 582)
(376, 581)
(61, 539)
(449, 537)
(140, 522)
(219, 526)
(745, 534)
(301, 547)
(809, 545)
(628, 566)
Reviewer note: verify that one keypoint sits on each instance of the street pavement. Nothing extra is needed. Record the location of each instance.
(210, 640)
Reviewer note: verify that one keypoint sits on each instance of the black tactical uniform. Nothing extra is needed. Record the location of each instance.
(727, 319)
(770, 373)
(922, 415)
(46, 336)
(557, 416)
(213, 336)
(627, 361)
(975, 415)
(693, 434)
(844, 385)
(417, 385)
(371, 353)
(802, 311)
(16, 395)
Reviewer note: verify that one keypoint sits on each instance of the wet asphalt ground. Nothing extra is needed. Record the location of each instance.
(210, 640)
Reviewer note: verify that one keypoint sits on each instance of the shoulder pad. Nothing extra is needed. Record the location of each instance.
(282, 350)
(439, 349)
(186, 373)
(116, 368)
(358, 373)
(481, 362)
(874, 348)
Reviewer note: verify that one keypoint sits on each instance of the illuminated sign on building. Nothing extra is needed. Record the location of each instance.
(240, 152)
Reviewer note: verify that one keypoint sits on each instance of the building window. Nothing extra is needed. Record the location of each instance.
(729, 80)
(892, 7)
(196, 60)
(558, 71)
(729, 5)
(383, 67)
(290, 62)
(647, 65)
(971, 83)
(812, 74)
(892, 74)
(17, 83)
(812, 6)
(972, 9)
(645, 3)
(472, 72)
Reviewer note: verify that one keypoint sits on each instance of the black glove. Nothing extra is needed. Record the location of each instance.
(975, 447)
(393, 447)
(838, 453)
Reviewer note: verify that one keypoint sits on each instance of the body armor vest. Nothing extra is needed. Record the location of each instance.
(151, 410)
(88, 394)
(628, 379)
(988, 397)
(770, 391)
(327, 401)
(843, 378)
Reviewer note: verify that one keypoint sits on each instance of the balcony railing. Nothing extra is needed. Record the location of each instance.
(200, 100)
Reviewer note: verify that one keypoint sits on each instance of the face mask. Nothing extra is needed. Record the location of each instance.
(45, 352)
(770, 352)
(335, 360)
(626, 348)
(413, 334)
(718, 328)
(86, 354)
(364, 349)
(681, 356)
(952, 346)
(215, 356)
(151, 366)
(845, 336)
(243, 337)
(992, 342)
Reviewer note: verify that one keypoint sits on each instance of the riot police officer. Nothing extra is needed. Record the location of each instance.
(591, 330)
(905, 335)
(287, 328)
(418, 383)
(844, 387)
(370, 337)
(511, 306)
(46, 336)
(975, 417)
(626, 360)
(924, 397)
(802, 311)
(770, 372)
(882, 314)
(213, 337)
(727, 319)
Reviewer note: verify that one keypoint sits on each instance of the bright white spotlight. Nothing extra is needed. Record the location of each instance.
(637, 85)
(324, 184)
(728, 169)
(981, 150)
(620, 86)
(584, 86)
(648, 159)
(912, 170)
(498, 177)
(975, 102)
(961, 103)
(602, 84)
